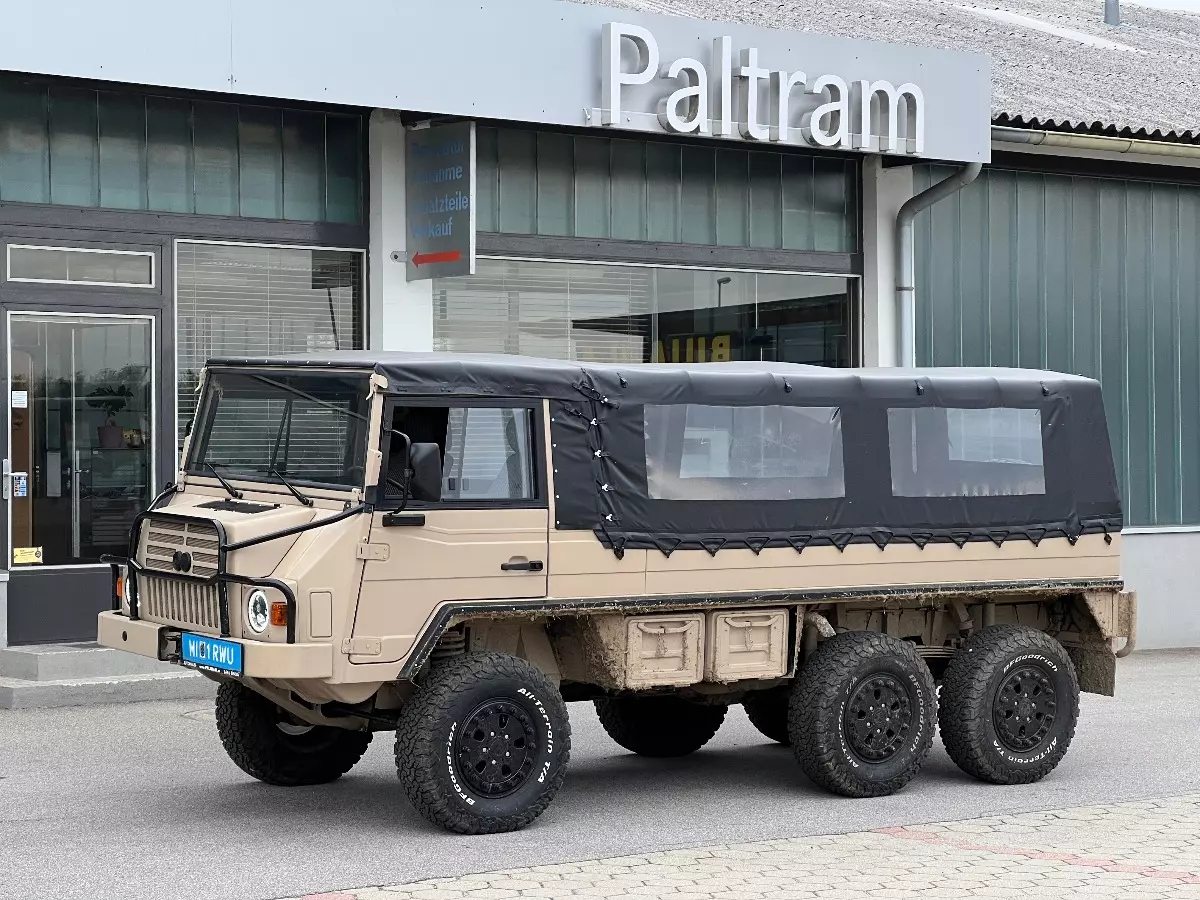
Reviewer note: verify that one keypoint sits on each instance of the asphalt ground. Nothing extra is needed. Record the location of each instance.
(139, 801)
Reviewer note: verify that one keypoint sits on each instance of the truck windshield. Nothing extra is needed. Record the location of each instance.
(298, 428)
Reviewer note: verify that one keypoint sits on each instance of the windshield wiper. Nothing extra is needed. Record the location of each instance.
(307, 501)
(233, 492)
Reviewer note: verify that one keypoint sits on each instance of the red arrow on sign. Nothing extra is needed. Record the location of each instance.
(445, 256)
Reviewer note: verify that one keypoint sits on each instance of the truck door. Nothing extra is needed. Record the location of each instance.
(485, 539)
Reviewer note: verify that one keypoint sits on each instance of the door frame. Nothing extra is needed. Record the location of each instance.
(85, 580)
(155, 424)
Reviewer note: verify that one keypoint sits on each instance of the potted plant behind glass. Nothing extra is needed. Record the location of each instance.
(112, 400)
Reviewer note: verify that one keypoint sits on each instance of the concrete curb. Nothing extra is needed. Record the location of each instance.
(17, 693)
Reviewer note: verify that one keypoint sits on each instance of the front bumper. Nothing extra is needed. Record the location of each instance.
(260, 660)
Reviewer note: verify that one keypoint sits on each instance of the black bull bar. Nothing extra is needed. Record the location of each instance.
(222, 578)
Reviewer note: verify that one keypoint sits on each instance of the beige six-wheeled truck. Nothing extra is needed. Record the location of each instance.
(452, 547)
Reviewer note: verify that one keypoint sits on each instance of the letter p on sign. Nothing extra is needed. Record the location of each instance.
(613, 76)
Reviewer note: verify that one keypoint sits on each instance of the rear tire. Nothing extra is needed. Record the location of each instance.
(862, 713)
(768, 712)
(1009, 704)
(482, 746)
(660, 727)
(268, 744)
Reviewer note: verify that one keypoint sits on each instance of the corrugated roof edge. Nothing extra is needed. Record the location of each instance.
(1101, 129)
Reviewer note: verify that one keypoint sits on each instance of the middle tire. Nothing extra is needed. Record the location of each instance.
(768, 712)
(862, 713)
(659, 726)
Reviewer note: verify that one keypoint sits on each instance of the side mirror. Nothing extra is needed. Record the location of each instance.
(425, 464)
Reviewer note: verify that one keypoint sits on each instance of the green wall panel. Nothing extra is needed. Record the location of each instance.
(1095, 276)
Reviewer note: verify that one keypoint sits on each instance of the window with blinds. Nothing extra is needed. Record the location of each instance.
(626, 314)
(564, 311)
(238, 299)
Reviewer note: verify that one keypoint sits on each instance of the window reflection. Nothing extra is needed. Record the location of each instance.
(606, 313)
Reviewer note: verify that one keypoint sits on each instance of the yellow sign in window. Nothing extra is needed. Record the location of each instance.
(24, 556)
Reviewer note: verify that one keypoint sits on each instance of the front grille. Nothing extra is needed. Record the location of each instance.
(162, 538)
(172, 601)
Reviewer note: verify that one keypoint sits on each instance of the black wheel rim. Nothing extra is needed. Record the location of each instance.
(878, 718)
(1024, 709)
(496, 748)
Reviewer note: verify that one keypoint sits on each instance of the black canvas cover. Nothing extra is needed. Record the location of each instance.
(601, 416)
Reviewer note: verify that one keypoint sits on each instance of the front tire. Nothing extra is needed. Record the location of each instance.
(662, 727)
(862, 713)
(482, 747)
(1010, 701)
(268, 744)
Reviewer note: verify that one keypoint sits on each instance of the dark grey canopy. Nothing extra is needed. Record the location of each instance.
(758, 454)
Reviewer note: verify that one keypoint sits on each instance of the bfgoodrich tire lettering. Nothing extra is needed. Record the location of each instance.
(482, 746)
(268, 745)
(1009, 705)
(861, 714)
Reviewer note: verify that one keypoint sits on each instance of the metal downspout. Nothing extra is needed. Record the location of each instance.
(906, 255)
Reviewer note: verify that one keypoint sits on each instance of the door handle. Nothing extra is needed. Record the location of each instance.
(6, 480)
(395, 519)
(522, 565)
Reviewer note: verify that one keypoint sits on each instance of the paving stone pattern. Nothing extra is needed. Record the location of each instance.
(1141, 850)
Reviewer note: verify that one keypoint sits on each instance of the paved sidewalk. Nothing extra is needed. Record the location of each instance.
(1141, 850)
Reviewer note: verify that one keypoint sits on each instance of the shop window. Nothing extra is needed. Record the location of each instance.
(696, 452)
(682, 193)
(127, 150)
(249, 300)
(994, 452)
(624, 314)
(65, 265)
(487, 452)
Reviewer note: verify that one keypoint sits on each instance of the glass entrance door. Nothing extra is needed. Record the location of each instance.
(80, 427)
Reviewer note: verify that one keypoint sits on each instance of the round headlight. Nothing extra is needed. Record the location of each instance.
(258, 611)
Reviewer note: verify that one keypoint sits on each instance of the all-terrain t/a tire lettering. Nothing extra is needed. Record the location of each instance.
(1009, 704)
(268, 745)
(482, 746)
(659, 726)
(861, 714)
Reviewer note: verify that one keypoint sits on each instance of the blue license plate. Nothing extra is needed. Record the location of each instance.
(210, 654)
